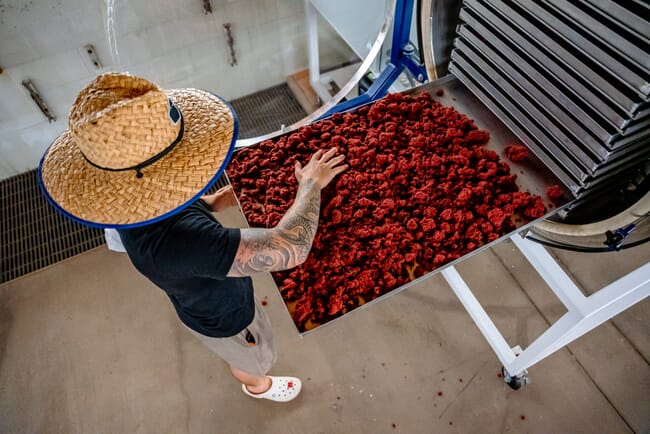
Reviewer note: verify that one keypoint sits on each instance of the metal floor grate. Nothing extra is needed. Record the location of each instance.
(266, 111)
(33, 235)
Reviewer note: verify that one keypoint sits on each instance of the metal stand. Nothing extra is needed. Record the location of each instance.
(402, 56)
(583, 313)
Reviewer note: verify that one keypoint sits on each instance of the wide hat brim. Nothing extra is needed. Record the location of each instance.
(119, 199)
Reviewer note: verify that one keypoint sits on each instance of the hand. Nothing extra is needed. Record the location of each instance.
(221, 199)
(322, 168)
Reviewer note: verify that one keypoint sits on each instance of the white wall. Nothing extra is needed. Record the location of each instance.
(171, 42)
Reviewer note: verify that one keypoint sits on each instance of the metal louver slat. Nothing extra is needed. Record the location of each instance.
(568, 78)
(565, 52)
(534, 88)
(633, 22)
(596, 44)
(566, 170)
(570, 85)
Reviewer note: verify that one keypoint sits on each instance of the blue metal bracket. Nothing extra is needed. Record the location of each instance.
(411, 63)
(402, 56)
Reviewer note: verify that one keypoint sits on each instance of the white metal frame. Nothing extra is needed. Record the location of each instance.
(311, 14)
(583, 313)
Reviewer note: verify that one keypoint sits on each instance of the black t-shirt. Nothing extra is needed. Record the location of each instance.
(188, 255)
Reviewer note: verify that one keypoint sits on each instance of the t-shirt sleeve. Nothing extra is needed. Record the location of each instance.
(201, 246)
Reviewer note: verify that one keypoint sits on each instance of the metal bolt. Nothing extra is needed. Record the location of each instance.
(408, 48)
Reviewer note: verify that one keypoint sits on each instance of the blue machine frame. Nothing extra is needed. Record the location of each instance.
(402, 55)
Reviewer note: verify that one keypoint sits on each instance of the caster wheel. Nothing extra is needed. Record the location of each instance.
(514, 382)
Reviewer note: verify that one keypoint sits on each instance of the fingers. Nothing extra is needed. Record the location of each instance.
(336, 160)
(340, 169)
(317, 155)
(324, 157)
(329, 154)
(297, 168)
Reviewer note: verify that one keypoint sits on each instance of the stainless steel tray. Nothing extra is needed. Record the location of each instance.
(528, 102)
(570, 173)
(568, 47)
(507, 28)
(589, 43)
(622, 14)
(532, 174)
(602, 29)
(598, 128)
(576, 96)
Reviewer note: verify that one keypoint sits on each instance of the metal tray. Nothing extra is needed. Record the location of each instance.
(553, 156)
(596, 126)
(621, 14)
(566, 65)
(607, 139)
(570, 47)
(564, 90)
(530, 140)
(631, 144)
(553, 112)
(599, 141)
(484, 72)
(631, 134)
(577, 91)
(639, 152)
(612, 61)
(603, 29)
(532, 174)
(514, 115)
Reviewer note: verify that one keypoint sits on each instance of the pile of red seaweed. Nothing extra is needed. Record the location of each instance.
(421, 191)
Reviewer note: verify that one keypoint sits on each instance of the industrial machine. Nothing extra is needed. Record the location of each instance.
(570, 80)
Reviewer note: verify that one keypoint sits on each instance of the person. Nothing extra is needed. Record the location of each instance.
(140, 159)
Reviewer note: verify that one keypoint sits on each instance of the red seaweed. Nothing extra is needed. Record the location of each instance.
(422, 190)
(555, 193)
(516, 152)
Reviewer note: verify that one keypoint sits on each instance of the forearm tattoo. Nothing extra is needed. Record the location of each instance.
(285, 246)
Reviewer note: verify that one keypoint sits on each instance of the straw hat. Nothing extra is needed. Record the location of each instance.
(134, 153)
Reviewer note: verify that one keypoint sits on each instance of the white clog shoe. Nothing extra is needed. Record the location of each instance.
(283, 389)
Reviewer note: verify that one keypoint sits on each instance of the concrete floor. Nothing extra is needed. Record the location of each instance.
(89, 345)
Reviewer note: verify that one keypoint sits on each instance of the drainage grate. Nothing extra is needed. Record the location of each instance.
(266, 111)
(33, 235)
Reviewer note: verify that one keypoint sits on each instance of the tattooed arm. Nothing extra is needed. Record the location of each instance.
(287, 245)
(284, 246)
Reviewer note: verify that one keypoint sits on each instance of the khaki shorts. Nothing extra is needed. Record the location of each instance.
(235, 350)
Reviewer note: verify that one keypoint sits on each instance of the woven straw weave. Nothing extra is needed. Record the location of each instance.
(120, 121)
(118, 198)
